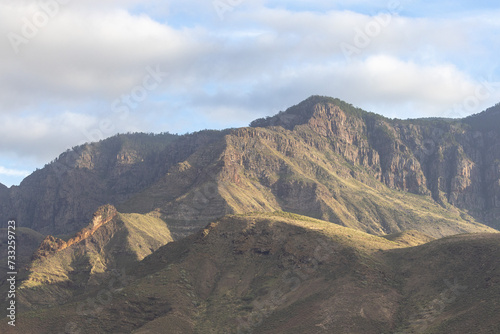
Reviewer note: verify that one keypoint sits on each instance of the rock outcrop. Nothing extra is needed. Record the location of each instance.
(51, 244)
(457, 161)
(110, 244)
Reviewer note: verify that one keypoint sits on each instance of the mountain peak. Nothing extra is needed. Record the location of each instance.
(305, 110)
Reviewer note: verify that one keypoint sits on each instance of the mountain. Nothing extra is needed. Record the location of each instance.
(487, 121)
(281, 273)
(4, 198)
(323, 218)
(322, 158)
(60, 197)
(455, 160)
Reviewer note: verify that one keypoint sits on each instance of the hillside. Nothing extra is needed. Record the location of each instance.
(60, 269)
(59, 198)
(282, 273)
(322, 158)
(346, 166)
(27, 241)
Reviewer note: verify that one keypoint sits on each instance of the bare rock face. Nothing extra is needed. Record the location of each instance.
(51, 245)
(455, 161)
(58, 198)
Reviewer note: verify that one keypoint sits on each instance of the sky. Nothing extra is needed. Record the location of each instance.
(74, 71)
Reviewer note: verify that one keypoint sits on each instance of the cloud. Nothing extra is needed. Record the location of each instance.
(102, 54)
(93, 55)
(46, 136)
(264, 56)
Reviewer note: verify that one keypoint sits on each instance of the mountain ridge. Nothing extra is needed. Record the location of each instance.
(178, 175)
(323, 218)
(51, 245)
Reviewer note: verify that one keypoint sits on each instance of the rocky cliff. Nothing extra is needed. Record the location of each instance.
(454, 160)
(51, 245)
(63, 195)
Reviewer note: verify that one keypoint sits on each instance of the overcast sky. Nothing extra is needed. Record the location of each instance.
(73, 71)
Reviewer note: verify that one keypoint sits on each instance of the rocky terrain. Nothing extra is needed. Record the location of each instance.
(59, 269)
(282, 273)
(321, 158)
(51, 245)
(323, 218)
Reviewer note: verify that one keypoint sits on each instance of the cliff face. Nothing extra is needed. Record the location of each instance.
(63, 195)
(323, 161)
(322, 158)
(456, 161)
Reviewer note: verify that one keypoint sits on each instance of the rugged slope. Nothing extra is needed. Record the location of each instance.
(451, 285)
(27, 241)
(322, 158)
(65, 193)
(282, 273)
(316, 159)
(4, 192)
(112, 241)
(58, 198)
(456, 160)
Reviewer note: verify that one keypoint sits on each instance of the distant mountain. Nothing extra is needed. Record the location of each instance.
(4, 198)
(322, 158)
(284, 273)
(63, 195)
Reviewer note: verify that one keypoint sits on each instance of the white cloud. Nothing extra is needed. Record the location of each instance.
(81, 56)
(264, 56)
(46, 136)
